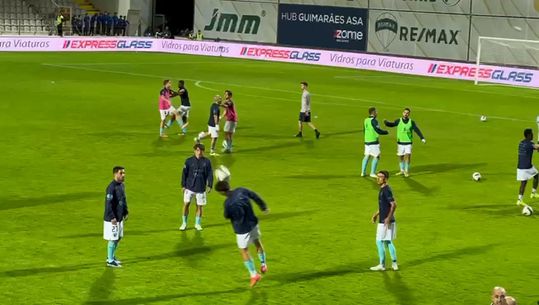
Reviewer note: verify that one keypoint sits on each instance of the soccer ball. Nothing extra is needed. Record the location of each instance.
(527, 210)
(476, 176)
(483, 118)
(222, 173)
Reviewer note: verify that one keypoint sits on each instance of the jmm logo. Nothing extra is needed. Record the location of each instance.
(249, 24)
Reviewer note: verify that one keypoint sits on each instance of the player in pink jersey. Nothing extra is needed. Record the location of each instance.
(166, 109)
(231, 122)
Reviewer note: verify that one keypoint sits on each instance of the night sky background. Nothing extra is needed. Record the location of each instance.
(178, 13)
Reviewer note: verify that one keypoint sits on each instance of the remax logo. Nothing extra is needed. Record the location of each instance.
(107, 44)
(482, 73)
(279, 53)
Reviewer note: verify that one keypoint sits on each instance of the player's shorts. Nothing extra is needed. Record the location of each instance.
(386, 233)
(113, 232)
(167, 112)
(405, 149)
(184, 110)
(526, 174)
(372, 150)
(230, 126)
(305, 117)
(213, 131)
(244, 240)
(188, 196)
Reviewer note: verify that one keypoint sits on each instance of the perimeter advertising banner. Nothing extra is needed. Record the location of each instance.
(419, 34)
(341, 3)
(509, 8)
(237, 20)
(323, 26)
(438, 6)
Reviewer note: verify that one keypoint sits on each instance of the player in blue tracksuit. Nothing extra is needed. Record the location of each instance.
(197, 179)
(245, 223)
(115, 214)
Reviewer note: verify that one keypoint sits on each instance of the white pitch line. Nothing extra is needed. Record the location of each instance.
(386, 105)
(198, 84)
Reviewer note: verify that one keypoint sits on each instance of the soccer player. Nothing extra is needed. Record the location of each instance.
(498, 296)
(305, 113)
(185, 104)
(213, 125)
(372, 144)
(405, 128)
(386, 231)
(525, 168)
(115, 214)
(240, 212)
(197, 178)
(166, 109)
(231, 121)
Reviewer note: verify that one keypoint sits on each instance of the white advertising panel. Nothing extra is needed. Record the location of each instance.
(419, 34)
(237, 20)
(438, 6)
(341, 3)
(510, 8)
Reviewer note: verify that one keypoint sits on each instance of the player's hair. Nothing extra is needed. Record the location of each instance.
(117, 169)
(528, 132)
(372, 110)
(385, 173)
(222, 186)
(217, 98)
(408, 109)
(304, 83)
(165, 82)
(228, 92)
(181, 82)
(199, 146)
(510, 300)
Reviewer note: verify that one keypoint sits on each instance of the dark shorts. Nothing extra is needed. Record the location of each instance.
(303, 117)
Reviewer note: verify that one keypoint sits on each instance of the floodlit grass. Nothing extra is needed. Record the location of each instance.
(66, 119)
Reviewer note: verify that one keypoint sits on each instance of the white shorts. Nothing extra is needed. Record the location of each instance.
(213, 131)
(244, 240)
(404, 149)
(386, 233)
(230, 126)
(113, 232)
(526, 174)
(167, 112)
(184, 110)
(188, 196)
(372, 150)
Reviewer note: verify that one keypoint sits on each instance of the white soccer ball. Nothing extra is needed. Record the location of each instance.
(483, 118)
(476, 176)
(222, 173)
(527, 210)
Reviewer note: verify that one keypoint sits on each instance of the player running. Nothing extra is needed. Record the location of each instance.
(239, 210)
(231, 121)
(166, 109)
(115, 214)
(525, 168)
(386, 231)
(405, 128)
(372, 144)
(213, 125)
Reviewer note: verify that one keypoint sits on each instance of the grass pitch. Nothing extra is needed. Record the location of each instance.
(67, 119)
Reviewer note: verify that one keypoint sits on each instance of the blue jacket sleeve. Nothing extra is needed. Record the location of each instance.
(254, 196)
(209, 174)
(109, 211)
(185, 171)
(392, 124)
(416, 129)
(376, 127)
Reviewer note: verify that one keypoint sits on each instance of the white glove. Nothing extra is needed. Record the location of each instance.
(424, 141)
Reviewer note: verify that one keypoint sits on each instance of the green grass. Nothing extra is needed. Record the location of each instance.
(457, 238)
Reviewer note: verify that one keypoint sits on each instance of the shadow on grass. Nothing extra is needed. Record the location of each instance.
(492, 209)
(270, 217)
(103, 286)
(427, 169)
(451, 254)
(168, 297)
(306, 276)
(129, 232)
(258, 296)
(395, 286)
(418, 187)
(16, 203)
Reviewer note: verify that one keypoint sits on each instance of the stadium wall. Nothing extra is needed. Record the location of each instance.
(446, 29)
(359, 61)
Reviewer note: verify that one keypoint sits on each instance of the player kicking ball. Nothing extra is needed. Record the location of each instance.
(239, 210)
